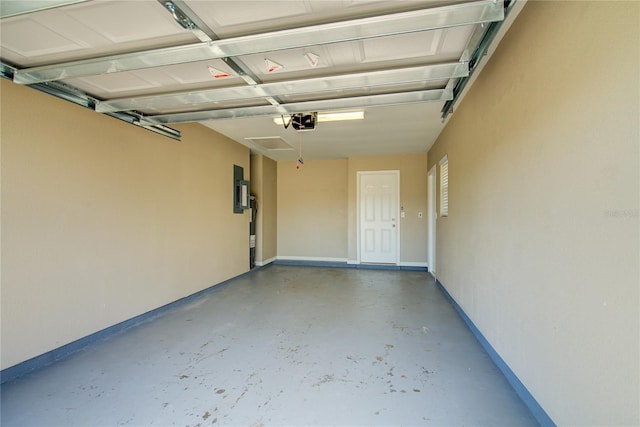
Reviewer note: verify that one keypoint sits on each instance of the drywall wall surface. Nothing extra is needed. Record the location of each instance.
(312, 210)
(269, 208)
(264, 186)
(540, 247)
(103, 221)
(413, 200)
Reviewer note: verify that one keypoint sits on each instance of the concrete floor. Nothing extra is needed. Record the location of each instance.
(282, 346)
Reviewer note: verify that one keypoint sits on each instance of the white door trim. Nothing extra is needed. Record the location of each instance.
(359, 175)
(432, 213)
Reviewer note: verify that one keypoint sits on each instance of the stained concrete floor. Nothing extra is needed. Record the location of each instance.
(282, 346)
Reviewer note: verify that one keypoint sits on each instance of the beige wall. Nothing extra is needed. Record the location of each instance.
(413, 198)
(317, 207)
(312, 210)
(541, 244)
(264, 186)
(103, 221)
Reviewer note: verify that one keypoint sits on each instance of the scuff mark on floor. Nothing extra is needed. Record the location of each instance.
(325, 379)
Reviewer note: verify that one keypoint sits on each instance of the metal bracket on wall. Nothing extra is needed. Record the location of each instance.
(71, 94)
(485, 38)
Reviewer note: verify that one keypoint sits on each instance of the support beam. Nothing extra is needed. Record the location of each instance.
(474, 52)
(171, 101)
(206, 34)
(297, 107)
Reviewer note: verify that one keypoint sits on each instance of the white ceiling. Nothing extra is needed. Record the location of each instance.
(141, 52)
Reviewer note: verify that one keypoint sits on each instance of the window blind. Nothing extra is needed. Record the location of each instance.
(444, 186)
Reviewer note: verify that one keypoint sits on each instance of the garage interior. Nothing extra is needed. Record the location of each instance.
(288, 345)
(489, 176)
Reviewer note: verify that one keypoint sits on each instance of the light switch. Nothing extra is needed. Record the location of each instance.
(419, 214)
(402, 214)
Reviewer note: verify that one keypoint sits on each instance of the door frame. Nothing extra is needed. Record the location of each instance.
(432, 215)
(359, 175)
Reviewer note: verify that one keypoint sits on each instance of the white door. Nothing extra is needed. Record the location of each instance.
(431, 221)
(378, 206)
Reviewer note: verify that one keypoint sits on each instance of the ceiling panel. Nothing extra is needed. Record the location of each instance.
(228, 19)
(453, 38)
(88, 29)
(424, 45)
(133, 59)
(363, 55)
(294, 63)
(223, 16)
(113, 83)
(195, 72)
(124, 21)
(285, 39)
(25, 38)
(17, 7)
(173, 78)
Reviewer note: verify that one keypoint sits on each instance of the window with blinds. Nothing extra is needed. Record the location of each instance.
(444, 186)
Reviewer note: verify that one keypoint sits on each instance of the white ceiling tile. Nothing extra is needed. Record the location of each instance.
(455, 39)
(339, 54)
(27, 37)
(87, 30)
(227, 18)
(342, 58)
(112, 85)
(192, 74)
(293, 62)
(414, 45)
(174, 78)
(195, 72)
(125, 21)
